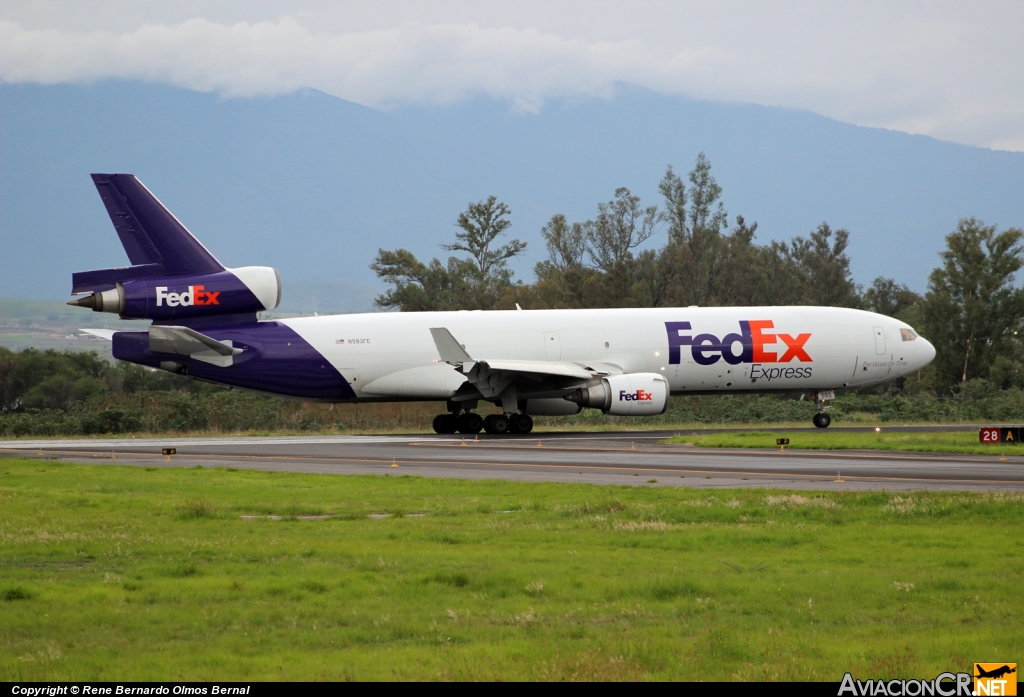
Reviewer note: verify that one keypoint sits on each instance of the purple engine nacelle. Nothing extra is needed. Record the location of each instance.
(232, 291)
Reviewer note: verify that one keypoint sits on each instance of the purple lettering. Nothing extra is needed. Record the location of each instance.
(675, 341)
(706, 343)
(746, 354)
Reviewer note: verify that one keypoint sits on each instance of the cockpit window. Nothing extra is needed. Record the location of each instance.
(908, 334)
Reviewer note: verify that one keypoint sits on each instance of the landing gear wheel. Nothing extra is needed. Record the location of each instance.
(822, 419)
(496, 424)
(470, 422)
(445, 423)
(521, 423)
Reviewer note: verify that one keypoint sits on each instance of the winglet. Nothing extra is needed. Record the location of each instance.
(448, 348)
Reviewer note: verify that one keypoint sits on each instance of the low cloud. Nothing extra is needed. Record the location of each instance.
(418, 63)
(414, 63)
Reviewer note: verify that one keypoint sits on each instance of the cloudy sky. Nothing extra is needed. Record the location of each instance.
(952, 70)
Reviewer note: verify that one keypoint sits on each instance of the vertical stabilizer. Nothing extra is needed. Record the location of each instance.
(149, 232)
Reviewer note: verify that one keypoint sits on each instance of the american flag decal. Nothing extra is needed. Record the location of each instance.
(339, 341)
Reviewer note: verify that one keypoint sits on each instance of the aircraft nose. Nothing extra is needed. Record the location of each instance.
(927, 352)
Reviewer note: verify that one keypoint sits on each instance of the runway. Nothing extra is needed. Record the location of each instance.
(623, 458)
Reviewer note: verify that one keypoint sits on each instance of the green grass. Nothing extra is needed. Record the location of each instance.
(129, 573)
(933, 441)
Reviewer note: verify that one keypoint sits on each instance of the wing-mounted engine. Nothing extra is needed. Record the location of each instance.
(633, 394)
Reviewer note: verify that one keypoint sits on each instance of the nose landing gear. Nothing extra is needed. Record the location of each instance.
(822, 418)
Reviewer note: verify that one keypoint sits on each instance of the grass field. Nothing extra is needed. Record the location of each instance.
(113, 572)
(932, 441)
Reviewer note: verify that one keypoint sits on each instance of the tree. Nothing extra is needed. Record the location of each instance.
(567, 244)
(697, 249)
(562, 276)
(972, 309)
(741, 279)
(49, 380)
(476, 283)
(822, 268)
(594, 263)
(887, 297)
(419, 287)
(480, 225)
(621, 225)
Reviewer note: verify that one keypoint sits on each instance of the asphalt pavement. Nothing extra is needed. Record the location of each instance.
(623, 458)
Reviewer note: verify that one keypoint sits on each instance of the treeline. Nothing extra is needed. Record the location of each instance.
(51, 393)
(972, 310)
(47, 393)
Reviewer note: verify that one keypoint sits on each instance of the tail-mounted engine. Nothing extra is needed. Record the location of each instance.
(636, 394)
(231, 291)
(172, 276)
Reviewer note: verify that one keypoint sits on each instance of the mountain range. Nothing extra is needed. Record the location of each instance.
(314, 185)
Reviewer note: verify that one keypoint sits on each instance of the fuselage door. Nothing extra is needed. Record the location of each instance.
(879, 341)
(552, 347)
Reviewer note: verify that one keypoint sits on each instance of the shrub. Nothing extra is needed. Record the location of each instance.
(16, 593)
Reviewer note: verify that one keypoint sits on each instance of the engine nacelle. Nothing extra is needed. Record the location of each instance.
(552, 406)
(232, 291)
(635, 394)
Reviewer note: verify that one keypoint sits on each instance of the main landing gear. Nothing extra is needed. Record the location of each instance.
(508, 423)
(468, 422)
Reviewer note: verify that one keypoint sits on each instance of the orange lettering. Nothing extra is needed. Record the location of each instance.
(795, 348)
(759, 340)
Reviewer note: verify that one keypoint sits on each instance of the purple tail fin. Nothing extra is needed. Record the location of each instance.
(149, 232)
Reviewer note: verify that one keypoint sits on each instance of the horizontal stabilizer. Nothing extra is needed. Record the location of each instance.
(107, 334)
(105, 279)
(184, 341)
(450, 350)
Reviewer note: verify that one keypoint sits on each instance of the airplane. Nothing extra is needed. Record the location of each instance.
(995, 672)
(205, 324)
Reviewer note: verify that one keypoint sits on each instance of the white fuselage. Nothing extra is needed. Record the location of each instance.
(392, 356)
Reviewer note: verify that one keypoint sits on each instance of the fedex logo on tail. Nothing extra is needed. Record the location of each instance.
(754, 341)
(195, 295)
(638, 396)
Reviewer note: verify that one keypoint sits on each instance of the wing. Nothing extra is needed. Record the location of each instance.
(454, 353)
(509, 379)
(540, 368)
